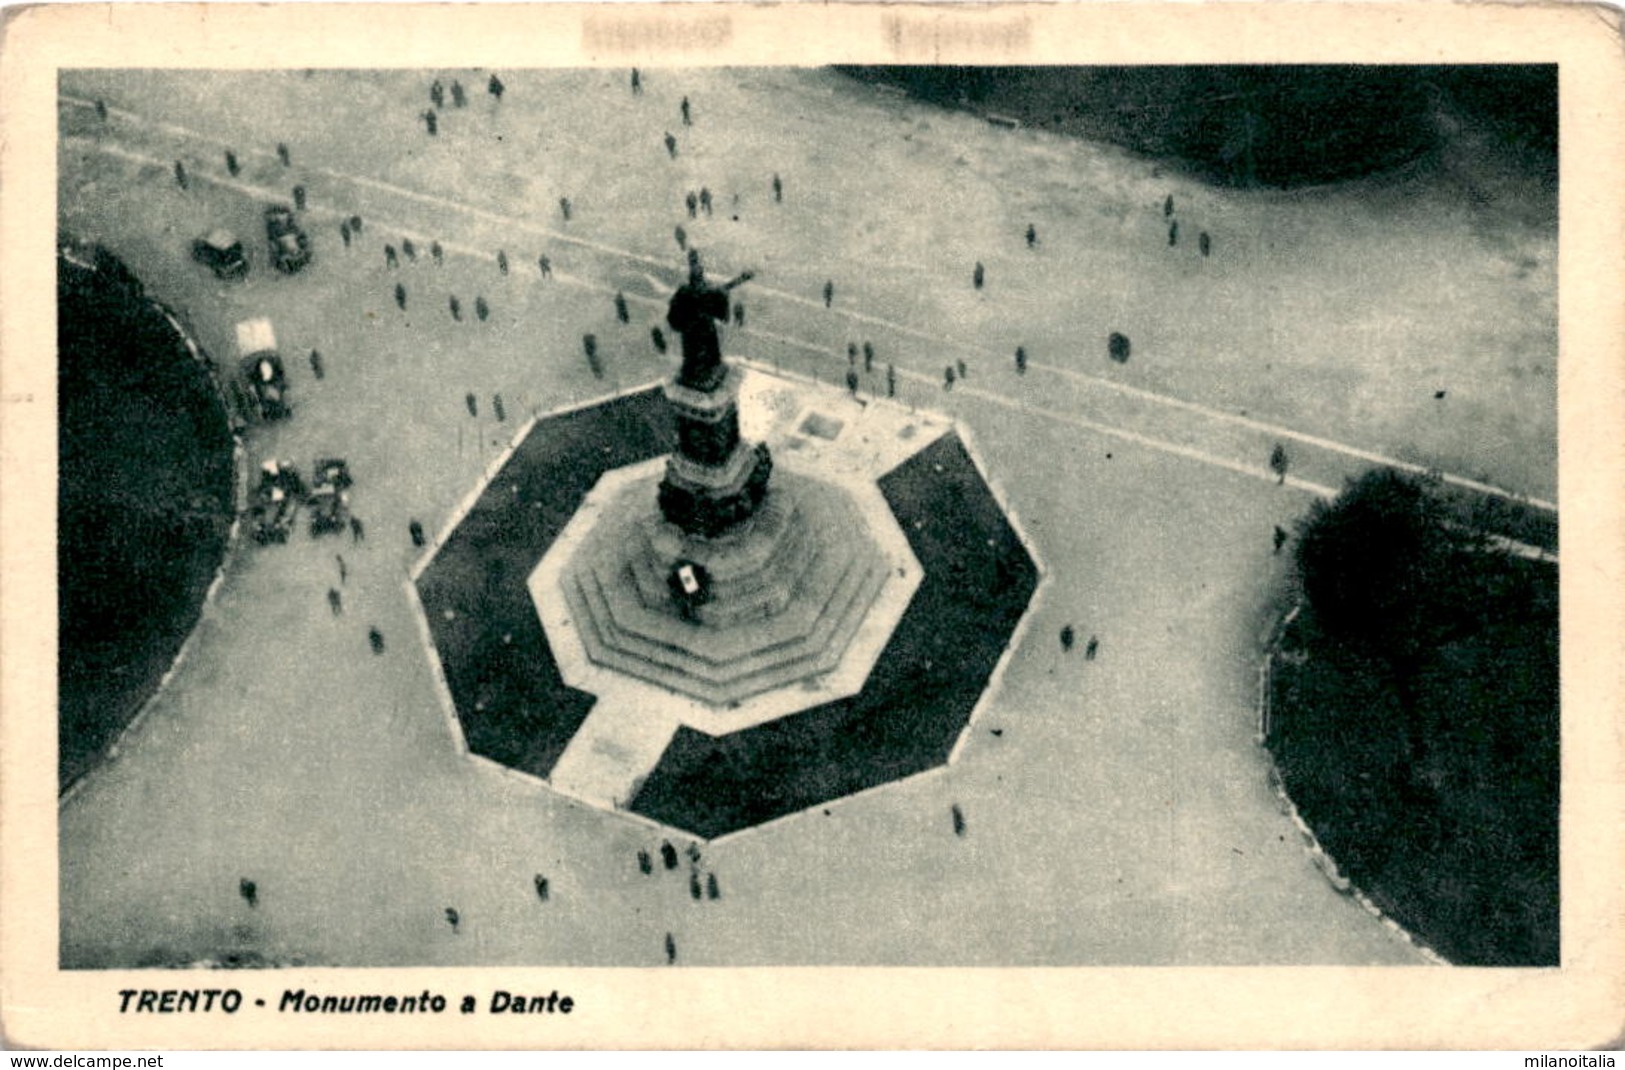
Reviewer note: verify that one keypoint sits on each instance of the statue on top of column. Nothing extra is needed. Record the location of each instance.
(696, 309)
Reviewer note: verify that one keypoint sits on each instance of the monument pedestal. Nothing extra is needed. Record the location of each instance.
(788, 589)
(715, 481)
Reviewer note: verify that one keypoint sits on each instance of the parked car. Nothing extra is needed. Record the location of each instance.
(276, 502)
(290, 245)
(262, 367)
(329, 503)
(221, 252)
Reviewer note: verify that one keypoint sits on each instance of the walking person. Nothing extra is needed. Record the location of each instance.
(1204, 243)
(541, 887)
(375, 639)
(1168, 207)
(645, 865)
(1173, 233)
(495, 88)
(564, 208)
(452, 917)
(458, 97)
(671, 145)
(316, 364)
(249, 891)
(1280, 538)
(621, 312)
(589, 346)
(437, 94)
(431, 122)
(180, 174)
(977, 276)
(456, 307)
(1278, 463)
(688, 119)
(1021, 360)
(232, 167)
(739, 313)
(502, 261)
(1092, 648)
(1068, 637)
(299, 198)
(958, 818)
(948, 377)
(891, 380)
(409, 250)
(680, 235)
(868, 357)
(1032, 236)
(390, 259)
(778, 189)
(671, 950)
(344, 571)
(400, 296)
(711, 889)
(282, 154)
(357, 532)
(481, 309)
(637, 82)
(438, 253)
(705, 201)
(852, 381)
(545, 266)
(101, 110)
(829, 292)
(852, 354)
(668, 854)
(693, 204)
(335, 601)
(657, 338)
(344, 231)
(964, 372)
(415, 529)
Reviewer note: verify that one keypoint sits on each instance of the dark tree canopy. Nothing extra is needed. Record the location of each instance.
(1274, 125)
(1381, 567)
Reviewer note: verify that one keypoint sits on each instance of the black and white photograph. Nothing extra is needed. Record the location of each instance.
(853, 510)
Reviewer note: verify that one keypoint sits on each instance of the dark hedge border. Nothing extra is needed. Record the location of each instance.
(1471, 867)
(920, 694)
(145, 499)
(513, 705)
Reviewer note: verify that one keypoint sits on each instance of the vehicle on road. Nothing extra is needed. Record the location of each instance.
(276, 502)
(290, 245)
(262, 367)
(329, 500)
(221, 252)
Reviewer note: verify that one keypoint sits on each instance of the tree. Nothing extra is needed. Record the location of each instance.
(1385, 574)
(1366, 558)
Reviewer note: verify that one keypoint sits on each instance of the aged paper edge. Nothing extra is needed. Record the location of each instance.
(1575, 1006)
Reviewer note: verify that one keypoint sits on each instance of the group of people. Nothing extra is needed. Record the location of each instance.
(459, 99)
(669, 860)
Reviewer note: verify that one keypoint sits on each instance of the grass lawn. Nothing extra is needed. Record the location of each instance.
(1464, 852)
(513, 705)
(144, 503)
(978, 581)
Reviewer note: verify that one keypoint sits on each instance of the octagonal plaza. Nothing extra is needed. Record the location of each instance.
(867, 609)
